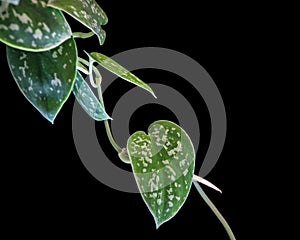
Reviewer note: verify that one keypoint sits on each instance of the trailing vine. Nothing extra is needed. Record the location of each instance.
(43, 59)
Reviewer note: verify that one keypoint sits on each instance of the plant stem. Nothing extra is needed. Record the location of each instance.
(107, 127)
(82, 35)
(86, 63)
(97, 85)
(83, 61)
(82, 68)
(110, 137)
(215, 210)
(92, 69)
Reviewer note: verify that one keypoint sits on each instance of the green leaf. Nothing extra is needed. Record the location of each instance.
(32, 26)
(163, 165)
(45, 78)
(120, 71)
(87, 99)
(16, 2)
(88, 12)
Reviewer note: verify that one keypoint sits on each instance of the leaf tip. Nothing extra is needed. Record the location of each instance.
(49, 117)
(205, 182)
(50, 120)
(153, 94)
(107, 118)
(157, 224)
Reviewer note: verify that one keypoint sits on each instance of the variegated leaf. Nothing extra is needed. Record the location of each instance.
(45, 78)
(32, 26)
(163, 165)
(88, 12)
(119, 70)
(87, 99)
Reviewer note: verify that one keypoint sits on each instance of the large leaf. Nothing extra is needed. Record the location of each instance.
(46, 78)
(163, 165)
(32, 26)
(87, 99)
(119, 70)
(88, 12)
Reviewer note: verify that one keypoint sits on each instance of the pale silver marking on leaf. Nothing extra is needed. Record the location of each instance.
(14, 27)
(23, 17)
(38, 34)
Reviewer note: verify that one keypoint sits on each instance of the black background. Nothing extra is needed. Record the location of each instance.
(47, 190)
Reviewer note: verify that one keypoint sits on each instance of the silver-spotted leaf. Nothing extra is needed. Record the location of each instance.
(119, 70)
(32, 26)
(45, 78)
(88, 12)
(87, 99)
(163, 165)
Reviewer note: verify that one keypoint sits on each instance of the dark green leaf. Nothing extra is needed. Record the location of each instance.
(88, 12)
(120, 71)
(87, 99)
(32, 26)
(163, 166)
(45, 78)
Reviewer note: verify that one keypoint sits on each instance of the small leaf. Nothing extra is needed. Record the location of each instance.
(87, 99)
(163, 164)
(32, 26)
(45, 78)
(16, 2)
(88, 12)
(120, 71)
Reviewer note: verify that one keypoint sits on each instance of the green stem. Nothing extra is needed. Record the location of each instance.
(82, 68)
(215, 211)
(107, 127)
(82, 35)
(92, 69)
(110, 137)
(83, 61)
(98, 86)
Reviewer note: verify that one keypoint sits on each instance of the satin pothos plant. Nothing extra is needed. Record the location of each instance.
(43, 59)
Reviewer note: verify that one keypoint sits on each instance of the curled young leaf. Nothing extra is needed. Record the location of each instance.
(32, 26)
(163, 164)
(45, 78)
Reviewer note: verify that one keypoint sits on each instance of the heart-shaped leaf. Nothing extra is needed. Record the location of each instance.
(87, 99)
(88, 12)
(45, 78)
(119, 70)
(163, 165)
(32, 26)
